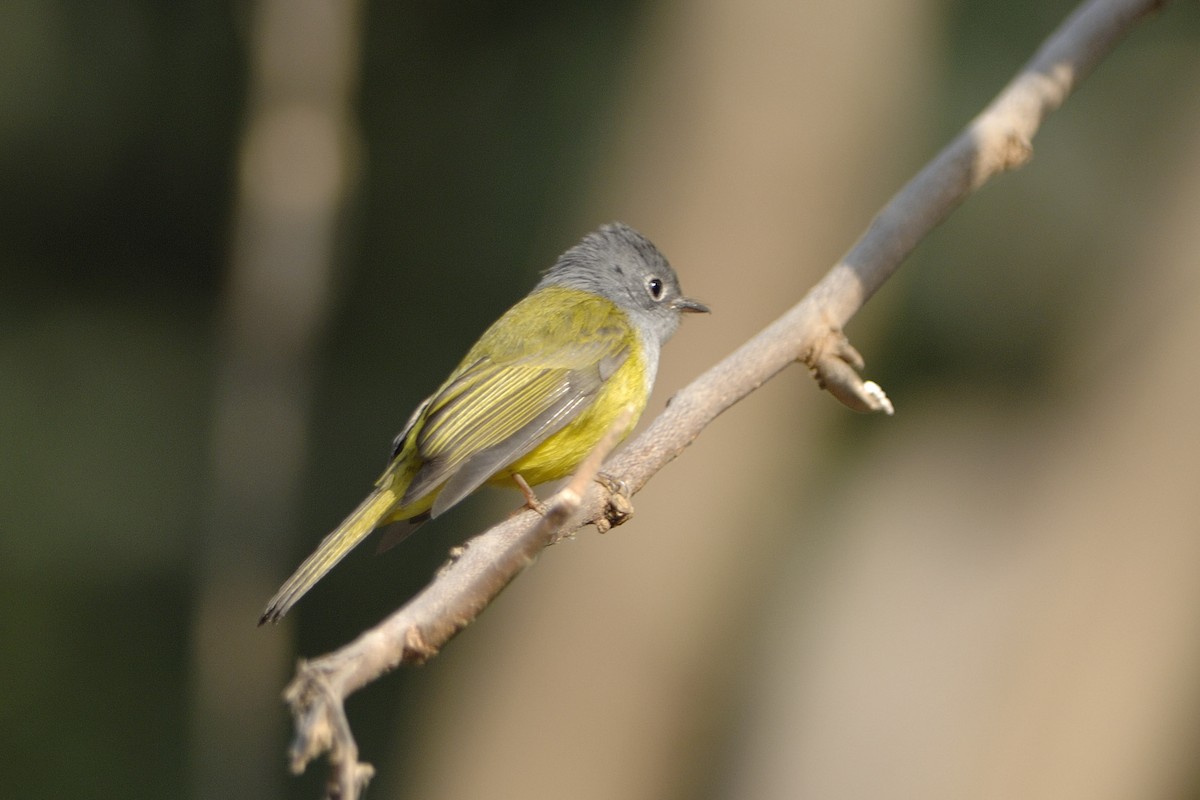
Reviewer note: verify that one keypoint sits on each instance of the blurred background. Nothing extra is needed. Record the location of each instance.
(239, 242)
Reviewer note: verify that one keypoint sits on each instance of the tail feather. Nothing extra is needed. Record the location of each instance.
(333, 548)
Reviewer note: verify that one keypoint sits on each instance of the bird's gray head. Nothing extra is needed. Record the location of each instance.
(619, 263)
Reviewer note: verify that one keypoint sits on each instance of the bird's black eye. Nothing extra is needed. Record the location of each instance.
(655, 287)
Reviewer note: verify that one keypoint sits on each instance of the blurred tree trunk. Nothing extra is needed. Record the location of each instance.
(295, 168)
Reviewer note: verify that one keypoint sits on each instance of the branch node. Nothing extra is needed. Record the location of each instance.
(618, 509)
(416, 649)
(456, 552)
(835, 364)
(1018, 150)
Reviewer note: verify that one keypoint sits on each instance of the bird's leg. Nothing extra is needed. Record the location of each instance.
(531, 499)
(620, 506)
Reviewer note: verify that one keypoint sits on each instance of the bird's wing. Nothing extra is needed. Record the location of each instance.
(498, 407)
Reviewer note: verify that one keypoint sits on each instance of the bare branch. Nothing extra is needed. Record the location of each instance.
(476, 573)
(997, 140)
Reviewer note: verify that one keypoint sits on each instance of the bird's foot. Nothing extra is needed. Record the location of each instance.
(531, 500)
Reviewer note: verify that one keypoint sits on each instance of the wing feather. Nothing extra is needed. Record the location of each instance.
(499, 406)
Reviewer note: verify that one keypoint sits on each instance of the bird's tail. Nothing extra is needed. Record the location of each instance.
(333, 549)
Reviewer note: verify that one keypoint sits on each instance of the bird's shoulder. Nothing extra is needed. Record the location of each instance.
(555, 327)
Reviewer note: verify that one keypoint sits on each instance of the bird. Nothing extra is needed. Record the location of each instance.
(530, 399)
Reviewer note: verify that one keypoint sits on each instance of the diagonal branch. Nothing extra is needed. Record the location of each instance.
(476, 573)
(997, 140)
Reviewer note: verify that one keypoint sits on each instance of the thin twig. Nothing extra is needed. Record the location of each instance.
(998, 139)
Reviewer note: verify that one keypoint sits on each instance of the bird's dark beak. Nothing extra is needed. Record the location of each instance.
(690, 306)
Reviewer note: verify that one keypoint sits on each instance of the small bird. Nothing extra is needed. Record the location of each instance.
(530, 400)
